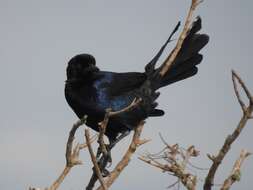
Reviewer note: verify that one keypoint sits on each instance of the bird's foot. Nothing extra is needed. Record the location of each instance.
(105, 172)
(103, 162)
(106, 154)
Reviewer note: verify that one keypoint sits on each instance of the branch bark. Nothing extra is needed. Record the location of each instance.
(247, 111)
(94, 160)
(175, 163)
(126, 158)
(102, 129)
(169, 61)
(236, 171)
(72, 155)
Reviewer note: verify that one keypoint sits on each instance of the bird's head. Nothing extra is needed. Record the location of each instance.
(81, 67)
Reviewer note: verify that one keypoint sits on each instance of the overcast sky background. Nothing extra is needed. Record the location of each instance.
(37, 38)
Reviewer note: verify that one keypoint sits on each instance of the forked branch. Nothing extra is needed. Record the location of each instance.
(174, 161)
(72, 155)
(136, 142)
(103, 124)
(247, 111)
(102, 128)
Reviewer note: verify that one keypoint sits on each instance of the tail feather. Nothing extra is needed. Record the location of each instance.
(191, 47)
(182, 71)
(188, 57)
(180, 77)
(184, 66)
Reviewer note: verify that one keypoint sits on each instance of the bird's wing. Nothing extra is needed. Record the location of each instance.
(125, 82)
(82, 105)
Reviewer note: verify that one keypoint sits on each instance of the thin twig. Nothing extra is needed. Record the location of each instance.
(170, 59)
(94, 161)
(174, 166)
(134, 103)
(236, 171)
(231, 138)
(237, 92)
(246, 90)
(152, 163)
(71, 158)
(173, 184)
(191, 152)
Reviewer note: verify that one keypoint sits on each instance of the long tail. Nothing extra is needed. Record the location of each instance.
(185, 63)
(184, 66)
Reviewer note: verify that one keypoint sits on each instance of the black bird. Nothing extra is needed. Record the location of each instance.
(90, 91)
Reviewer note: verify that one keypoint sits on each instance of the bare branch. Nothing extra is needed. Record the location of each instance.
(236, 171)
(126, 158)
(109, 113)
(174, 184)
(102, 128)
(94, 161)
(247, 92)
(191, 152)
(175, 163)
(72, 155)
(169, 61)
(153, 163)
(72, 159)
(92, 139)
(237, 93)
(231, 138)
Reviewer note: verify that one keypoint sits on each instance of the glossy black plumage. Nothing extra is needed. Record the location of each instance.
(90, 91)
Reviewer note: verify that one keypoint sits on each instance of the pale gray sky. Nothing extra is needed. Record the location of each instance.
(37, 38)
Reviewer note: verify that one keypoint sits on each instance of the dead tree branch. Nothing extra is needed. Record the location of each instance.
(109, 113)
(174, 161)
(136, 142)
(247, 111)
(170, 59)
(102, 128)
(134, 103)
(93, 159)
(72, 155)
(236, 171)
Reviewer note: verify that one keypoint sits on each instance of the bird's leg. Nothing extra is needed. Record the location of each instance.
(99, 151)
(106, 158)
